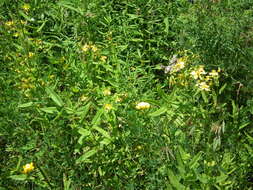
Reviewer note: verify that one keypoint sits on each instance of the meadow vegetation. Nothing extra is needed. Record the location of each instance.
(123, 94)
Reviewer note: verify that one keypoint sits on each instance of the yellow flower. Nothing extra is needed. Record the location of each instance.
(26, 7)
(93, 48)
(108, 106)
(30, 54)
(203, 86)
(83, 98)
(118, 99)
(178, 66)
(142, 106)
(16, 34)
(28, 168)
(214, 73)
(197, 74)
(107, 92)
(9, 23)
(85, 47)
(103, 58)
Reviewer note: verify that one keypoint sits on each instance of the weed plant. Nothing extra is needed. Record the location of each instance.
(120, 94)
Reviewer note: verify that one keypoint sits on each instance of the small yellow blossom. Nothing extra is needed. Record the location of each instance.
(108, 106)
(214, 73)
(103, 58)
(28, 168)
(26, 7)
(142, 106)
(197, 73)
(85, 47)
(118, 99)
(9, 23)
(93, 48)
(207, 78)
(210, 164)
(178, 66)
(83, 98)
(30, 54)
(107, 92)
(16, 34)
(23, 22)
(203, 86)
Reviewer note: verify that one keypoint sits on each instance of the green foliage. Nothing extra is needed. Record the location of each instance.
(126, 94)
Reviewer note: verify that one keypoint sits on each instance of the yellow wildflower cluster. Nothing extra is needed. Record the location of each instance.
(26, 7)
(108, 107)
(203, 78)
(107, 92)
(87, 47)
(28, 168)
(142, 106)
(180, 64)
(103, 58)
(9, 23)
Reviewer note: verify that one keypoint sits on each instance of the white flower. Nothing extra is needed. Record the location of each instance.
(142, 106)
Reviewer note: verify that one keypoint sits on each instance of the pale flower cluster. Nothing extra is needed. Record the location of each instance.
(87, 47)
(203, 78)
(179, 65)
(176, 64)
(142, 106)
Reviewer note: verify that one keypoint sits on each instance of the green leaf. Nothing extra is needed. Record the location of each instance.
(158, 112)
(102, 132)
(49, 109)
(86, 155)
(66, 182)
(221, 178)
(194, 162)
(97, 117)
(84, 132)
(204, 96)
(244, 125)
(21, 177)
(174, 181)
(25, 105)
(67, 5)
(222, 88)
(57, 99)
(83, 111)
(166, 22)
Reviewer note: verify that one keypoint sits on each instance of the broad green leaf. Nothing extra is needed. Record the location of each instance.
(249, 138)
(49, 109)
(25, 105)
(20, 177)
(105, 141)
(97, 117)
(174, 181)
(204, 96)
(180, 163)
(84, 132)
(166, 22)
(244, 125)
(66, 183)
(67, 5)
(203, 178)
(84, 111)
(158, 112)
(222, 88)
(194, 162)
(221, 178)
(57, 99)
(102, 132)
(86, 155)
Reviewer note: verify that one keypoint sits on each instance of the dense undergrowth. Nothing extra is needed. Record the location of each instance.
(121, 94)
